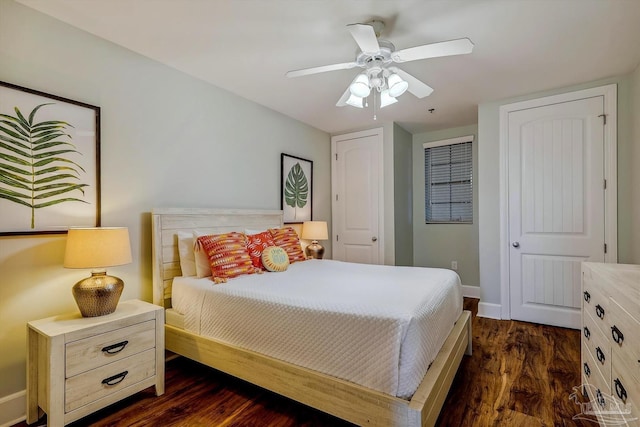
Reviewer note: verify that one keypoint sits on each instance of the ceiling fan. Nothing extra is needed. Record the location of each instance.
(377, 56)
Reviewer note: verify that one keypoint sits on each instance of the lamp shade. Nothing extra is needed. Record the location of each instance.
(354, 101)
(386, 99)
(97, 247)
(315, 230)
(397, 86)
(360, 86)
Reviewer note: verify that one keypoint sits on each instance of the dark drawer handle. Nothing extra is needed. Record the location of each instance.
(587, 370)
(620, 391)
(600, 398)
(115, 348)
(616, 334)
(587, 333)
(600, 311)
(600, 355)
(587, 296)
(116, 379)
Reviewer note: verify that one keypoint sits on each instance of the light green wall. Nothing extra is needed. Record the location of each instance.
(635, 160)
(403, 197)
(436, 245)
(489, 183)
(168, 140)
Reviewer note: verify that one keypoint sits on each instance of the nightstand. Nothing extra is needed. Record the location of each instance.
(77, 365)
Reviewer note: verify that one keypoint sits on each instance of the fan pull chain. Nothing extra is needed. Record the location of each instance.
(374, 105)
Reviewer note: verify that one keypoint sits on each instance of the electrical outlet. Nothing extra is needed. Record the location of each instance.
(454, 265)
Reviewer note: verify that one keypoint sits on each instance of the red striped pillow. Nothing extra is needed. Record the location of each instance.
(287, 239)
(256, 243)
(227, 254)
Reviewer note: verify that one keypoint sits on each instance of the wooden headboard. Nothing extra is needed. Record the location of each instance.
(166, 223)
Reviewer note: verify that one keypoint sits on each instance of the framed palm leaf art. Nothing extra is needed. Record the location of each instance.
(49, 162)
(296, 184)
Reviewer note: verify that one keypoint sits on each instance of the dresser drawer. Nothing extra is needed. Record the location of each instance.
(625, 390)
(624, 335)
(597, 388)
(100, 382)
(89, 353)
(595, 304)
(598, 346)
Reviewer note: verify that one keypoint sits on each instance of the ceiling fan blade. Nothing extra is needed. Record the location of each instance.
(416, 87)
(365, 36)
(322, 69)
(343, 99)
(433, 50)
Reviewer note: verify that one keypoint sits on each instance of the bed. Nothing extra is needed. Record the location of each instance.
(369, 404)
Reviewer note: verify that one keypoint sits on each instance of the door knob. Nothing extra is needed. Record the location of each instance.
(516, 244)
(374, 239)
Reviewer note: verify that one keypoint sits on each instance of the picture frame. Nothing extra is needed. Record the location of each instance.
(296, 189)
(49, 162)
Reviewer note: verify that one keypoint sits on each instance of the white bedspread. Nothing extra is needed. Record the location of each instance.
(377, 326)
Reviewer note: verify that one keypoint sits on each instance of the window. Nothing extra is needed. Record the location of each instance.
(448, 186)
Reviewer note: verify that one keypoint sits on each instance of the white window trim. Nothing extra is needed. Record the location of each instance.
(450, 141)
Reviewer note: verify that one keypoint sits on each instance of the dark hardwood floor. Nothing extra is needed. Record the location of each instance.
(520, 374)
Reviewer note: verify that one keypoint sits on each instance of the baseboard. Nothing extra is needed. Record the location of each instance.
(489, 310)
(471, 291)
(13, 408)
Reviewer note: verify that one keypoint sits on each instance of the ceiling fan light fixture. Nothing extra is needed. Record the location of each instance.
(360, 86)
(386, 99)
(397, 86)
(355, 101)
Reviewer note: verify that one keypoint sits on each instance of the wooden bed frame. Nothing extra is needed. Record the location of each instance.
(341, 398)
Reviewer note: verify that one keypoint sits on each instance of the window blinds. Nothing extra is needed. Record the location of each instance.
(448, 183)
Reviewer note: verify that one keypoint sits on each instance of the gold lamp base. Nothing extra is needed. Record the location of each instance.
(98, 295)
(314, 250)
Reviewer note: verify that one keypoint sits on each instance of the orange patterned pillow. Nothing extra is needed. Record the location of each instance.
(256, 243)
(227, 255)
(287, 239)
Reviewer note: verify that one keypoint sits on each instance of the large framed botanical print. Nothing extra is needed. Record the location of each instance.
(49, 162)
(296, 184)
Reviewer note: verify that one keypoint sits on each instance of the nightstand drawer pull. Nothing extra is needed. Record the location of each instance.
(115, 348)
(600, 311)
(620, 391)
(118, 378)
(587, 370)
(616, 334)
(587, 296)
(600, 355)
(587, 332)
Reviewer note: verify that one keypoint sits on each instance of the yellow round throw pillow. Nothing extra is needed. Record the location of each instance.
(274, 258)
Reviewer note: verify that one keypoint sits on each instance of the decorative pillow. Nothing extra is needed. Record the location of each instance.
(227, 254)
(203, 268)
(256, 243)
(187, 256)
(287, 239)
(275, 258)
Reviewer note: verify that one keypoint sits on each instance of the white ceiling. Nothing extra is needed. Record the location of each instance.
(247, 46)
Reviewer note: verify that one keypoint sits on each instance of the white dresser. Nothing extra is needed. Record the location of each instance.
(611, 341)
(77, 365)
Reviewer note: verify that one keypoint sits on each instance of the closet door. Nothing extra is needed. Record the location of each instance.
(357, 197)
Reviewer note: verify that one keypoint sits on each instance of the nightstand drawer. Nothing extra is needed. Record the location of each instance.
(90, 386)
(89, 353)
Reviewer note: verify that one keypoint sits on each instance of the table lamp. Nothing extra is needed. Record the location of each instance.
(97, 248)
(314, 231)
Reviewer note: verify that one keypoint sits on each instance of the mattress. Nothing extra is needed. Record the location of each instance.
(377, 326)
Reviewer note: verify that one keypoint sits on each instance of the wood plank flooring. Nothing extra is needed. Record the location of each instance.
(520, 374)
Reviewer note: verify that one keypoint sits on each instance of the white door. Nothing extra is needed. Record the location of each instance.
(357, 197)
(556, 207)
